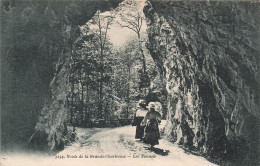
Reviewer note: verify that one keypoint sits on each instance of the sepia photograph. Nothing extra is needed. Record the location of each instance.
(130, 83)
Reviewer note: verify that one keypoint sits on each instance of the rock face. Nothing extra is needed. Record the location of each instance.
(208, 55)
(36, 43)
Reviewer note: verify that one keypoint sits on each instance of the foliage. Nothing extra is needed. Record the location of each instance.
(132, 17)
(105, 83)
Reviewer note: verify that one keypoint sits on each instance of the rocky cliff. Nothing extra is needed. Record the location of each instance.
(36, 43)
(208, 55)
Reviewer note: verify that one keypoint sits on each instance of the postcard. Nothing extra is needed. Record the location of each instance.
(129, 82)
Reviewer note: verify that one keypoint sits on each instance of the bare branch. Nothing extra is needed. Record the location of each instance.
(127, 26)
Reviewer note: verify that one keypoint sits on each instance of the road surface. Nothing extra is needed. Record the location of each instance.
(114, 146)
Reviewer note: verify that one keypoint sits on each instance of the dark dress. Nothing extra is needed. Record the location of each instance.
(139, 132)
(138, 118)
(152, 134)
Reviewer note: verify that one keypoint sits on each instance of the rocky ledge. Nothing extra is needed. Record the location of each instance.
(208, 55)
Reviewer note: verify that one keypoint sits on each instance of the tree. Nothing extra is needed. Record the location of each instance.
(90, 70)
(131, 17)
(104, 82)
(126, 64)
(100, 23)
(127, 60)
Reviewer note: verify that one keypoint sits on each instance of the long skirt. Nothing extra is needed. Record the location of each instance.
(152, 134)
(139, 133)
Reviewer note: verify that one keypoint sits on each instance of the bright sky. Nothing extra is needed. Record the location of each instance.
(118, 35)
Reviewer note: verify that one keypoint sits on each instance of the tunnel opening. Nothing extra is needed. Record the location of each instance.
(110, 68)
(102, 74)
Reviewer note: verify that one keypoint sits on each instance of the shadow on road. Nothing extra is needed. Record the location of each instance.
(158, 151)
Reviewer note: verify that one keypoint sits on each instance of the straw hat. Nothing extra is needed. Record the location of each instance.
(151, 105)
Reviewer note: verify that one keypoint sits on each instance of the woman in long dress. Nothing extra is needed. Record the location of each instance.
(151, 121)
(138, 118)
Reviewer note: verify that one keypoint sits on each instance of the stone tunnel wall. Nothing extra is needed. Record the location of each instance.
(36, 44)
(208, 55)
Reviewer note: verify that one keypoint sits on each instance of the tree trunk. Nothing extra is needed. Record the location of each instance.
(86, 105)
(97, 80)
(79, 83)
(100, 94)
(128, 91)
(143, 58)
(101, 83)
(72, 102)
(82, 97)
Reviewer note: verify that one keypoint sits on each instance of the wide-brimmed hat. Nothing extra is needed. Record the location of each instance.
(151, 105)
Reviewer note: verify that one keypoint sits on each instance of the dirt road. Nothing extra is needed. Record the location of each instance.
(114, 146)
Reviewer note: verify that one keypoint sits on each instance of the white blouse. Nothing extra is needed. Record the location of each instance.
(141, 113)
